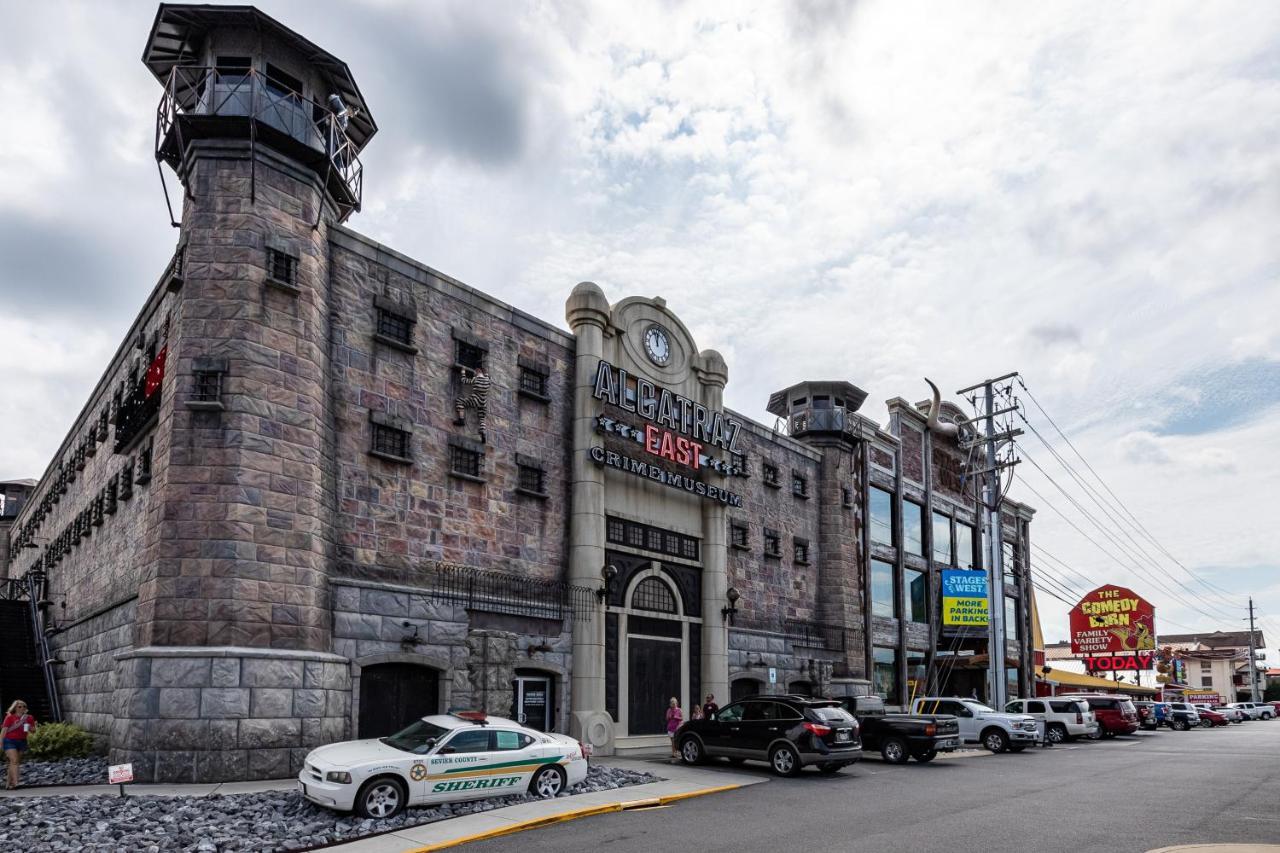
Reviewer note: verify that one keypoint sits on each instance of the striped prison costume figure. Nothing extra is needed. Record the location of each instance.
(478, 399)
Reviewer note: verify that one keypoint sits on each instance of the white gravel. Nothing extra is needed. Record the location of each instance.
(271, 821)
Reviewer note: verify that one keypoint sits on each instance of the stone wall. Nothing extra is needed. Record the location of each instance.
(394, 516)
(87, 677)
(211, 715)
(753, 653)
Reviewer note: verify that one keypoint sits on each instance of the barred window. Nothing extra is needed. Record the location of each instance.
(395, 327)
(126, 481)
(738, 535)
(799, 485)
(464, 461)
(110, 506)
(389, 441)
(531, 479)
(468, 355)
(282, 267)
(653, 594)
(207, 386)
(800, 551)
(846, 496)
(769, 474)
(772, 543)
(97, 506)
(533, 382)
(144, 464)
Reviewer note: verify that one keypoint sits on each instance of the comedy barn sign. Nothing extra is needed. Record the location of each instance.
(1112, 619)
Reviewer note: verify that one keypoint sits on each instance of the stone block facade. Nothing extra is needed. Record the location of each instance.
(87, 677)
(187, 714)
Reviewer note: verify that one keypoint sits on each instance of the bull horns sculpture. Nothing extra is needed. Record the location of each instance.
(954, 430)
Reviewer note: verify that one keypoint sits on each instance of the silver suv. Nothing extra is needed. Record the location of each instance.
(1061, 719)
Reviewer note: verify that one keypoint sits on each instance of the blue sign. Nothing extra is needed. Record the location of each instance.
(964, 598)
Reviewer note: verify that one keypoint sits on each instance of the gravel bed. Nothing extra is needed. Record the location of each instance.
(68, 771)
(271, 821)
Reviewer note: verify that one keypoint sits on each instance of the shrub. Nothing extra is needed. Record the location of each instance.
(51, 741)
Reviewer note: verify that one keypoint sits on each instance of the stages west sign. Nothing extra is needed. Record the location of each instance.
(1112, 619)
(964, 599)
(677, 430)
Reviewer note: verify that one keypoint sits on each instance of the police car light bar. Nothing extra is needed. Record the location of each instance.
(472, 716)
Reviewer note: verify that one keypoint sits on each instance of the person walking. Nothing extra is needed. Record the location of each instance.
(674, 718)
(710, 707)
(695, 713)
(17, 725)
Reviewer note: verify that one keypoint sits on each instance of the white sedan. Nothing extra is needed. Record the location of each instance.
(441, 759)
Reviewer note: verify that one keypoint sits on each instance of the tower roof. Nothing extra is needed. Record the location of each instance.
(179, 29)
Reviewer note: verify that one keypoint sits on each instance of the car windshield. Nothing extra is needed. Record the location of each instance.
(417, 737)
(978, 706)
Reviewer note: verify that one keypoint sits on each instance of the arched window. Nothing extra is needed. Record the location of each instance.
(653, 594)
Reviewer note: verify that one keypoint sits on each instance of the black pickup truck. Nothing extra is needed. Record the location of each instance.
(902, 736)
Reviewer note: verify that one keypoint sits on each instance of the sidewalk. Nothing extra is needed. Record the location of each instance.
(679, 782)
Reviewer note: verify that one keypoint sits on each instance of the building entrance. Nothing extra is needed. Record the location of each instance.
(653, 667)
(533, 700)
(392, 695)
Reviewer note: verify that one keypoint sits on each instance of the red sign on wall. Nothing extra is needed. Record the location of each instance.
(1112, 619)
(1121, 663)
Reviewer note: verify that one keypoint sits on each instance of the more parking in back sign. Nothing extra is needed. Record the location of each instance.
(964, 598)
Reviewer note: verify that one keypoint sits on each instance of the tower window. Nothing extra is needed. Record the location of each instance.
(799, 485)
(533, 380)
(394, 328)
(207, 386)
(233, 69)
(282, 83)
(772, 543)
(282, 268)
(532, 478)
(464, 461)
(800, 550)
(469, 355)
(769, 474)
(738, 536)
(144, 464)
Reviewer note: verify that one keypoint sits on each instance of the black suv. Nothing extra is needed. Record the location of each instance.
(788, 731)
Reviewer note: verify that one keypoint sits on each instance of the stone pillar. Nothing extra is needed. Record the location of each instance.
(839, 571)
(713, 373)
(587, 312)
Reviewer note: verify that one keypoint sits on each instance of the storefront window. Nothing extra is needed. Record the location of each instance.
(964, 545)
(1011, 683)
(913, 528)
(916, 586)
(882, 589)
(941, 539)
(881, 516)
(917, 672)
(1012, 624)
(886, 673)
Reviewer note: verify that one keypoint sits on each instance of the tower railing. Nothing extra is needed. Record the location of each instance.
(195, 93)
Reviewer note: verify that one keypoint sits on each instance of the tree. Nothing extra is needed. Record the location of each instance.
(1272, 693)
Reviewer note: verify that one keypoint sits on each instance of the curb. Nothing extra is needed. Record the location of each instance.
(564, 817)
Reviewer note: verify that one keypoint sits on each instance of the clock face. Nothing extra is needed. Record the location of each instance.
(657, 345)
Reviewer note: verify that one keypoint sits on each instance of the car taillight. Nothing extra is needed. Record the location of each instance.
(930, 729)
(818, 729)
(1079, 718)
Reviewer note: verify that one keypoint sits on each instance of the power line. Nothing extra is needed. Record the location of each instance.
(1119, 502)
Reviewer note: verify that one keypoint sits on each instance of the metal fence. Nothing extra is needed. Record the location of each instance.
(801, 633)
(503, 592)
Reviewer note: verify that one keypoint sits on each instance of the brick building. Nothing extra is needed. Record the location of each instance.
(322, 488)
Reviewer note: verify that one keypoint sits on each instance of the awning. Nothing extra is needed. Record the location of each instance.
(1064, 678)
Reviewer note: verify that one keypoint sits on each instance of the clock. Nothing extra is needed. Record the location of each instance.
(657, 345)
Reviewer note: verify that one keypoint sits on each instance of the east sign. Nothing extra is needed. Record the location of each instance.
(1110, 620)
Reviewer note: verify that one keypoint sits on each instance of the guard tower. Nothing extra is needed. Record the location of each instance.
(233, 73)
(823, 414)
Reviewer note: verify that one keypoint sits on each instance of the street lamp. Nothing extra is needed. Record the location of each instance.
(732, 610)
(607, 574)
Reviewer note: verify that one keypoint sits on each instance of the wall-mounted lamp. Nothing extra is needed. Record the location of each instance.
(732, 610)
(607, 574)
(410, 638)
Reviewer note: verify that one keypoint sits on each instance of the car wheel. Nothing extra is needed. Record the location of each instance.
(1180, 725)
(925, 757)
(995, 741)
(691, 750)
(547, 782)
(1206, 724)
(830, 768)
(1107, 733)
(1057, 733)
(784, 760)
(894, 751)
(381, 798)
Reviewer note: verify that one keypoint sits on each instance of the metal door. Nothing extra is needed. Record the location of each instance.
(392, 695)
(653, 677)
(533, 702)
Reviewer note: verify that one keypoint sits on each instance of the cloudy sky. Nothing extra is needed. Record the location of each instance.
(1088, 193)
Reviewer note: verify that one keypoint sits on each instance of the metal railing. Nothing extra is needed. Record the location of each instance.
(512, 594)
(801, 633)
(199, 90)
(33, 586)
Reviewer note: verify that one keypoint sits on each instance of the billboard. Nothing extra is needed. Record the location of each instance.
(964, 598)
(1112, 619)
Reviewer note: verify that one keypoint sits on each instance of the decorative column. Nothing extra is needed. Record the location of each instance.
(713, 373)
(587, 312)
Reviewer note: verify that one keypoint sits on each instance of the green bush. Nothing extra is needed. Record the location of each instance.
(51, 741)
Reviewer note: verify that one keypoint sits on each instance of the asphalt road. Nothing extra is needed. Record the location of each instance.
(1129, 794)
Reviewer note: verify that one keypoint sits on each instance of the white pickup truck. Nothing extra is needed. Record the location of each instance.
(980, 724)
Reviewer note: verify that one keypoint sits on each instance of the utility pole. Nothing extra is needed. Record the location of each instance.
(992, 526)
(1253, 665)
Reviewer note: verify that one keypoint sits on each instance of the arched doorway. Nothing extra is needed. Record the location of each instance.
(800, 688)
(741, 688)
(657, 643)
(394, 694)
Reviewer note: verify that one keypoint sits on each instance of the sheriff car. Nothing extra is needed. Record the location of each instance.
(444, 758)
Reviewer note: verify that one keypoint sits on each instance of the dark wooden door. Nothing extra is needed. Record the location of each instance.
(392, 695)
(653, 677)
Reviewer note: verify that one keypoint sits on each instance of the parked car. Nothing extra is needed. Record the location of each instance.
(1148, 719)
(1210, 718)
(1232, 715)
(443, 758)
(1183, 716)
(1255, 711)
(1060, 719)
(1116, 714)
(980, 724)
(899, 737)
(789, 732)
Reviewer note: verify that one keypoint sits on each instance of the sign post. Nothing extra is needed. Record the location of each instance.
(118, 774)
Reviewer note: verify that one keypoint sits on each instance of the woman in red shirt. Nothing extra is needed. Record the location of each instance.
(17, 725)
